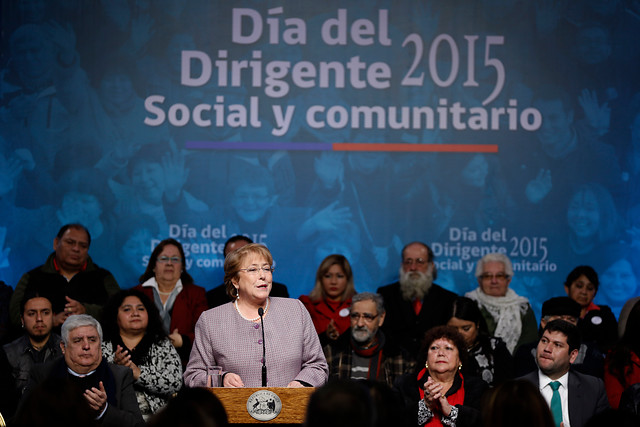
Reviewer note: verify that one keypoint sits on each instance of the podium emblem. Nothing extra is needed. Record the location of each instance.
(264, 405)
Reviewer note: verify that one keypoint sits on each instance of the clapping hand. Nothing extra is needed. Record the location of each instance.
(122, 357)
(434, 396)
(96, 397)
(332, 330)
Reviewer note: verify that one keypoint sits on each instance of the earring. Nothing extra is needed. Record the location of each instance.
(460, 367)
(426, 365)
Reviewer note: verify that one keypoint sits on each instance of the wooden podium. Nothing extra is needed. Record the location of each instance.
(294, 404)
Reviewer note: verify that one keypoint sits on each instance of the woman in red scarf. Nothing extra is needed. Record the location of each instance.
(329, 301)
(442, 394)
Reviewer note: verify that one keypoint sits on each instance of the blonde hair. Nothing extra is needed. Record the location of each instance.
(233, 263)
(318, 293)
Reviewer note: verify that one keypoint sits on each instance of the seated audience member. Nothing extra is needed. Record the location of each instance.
(8, 395)
(218, 295)
(56, 401)
(38, 344)
(108, 388)
(73, 283)
(597, 323)
(589, 361)
(622, 366)
(488, 358)
(191, 407)
(630, 400)
(179, 301)
(440, 394)
(364, 352)
(573, 397)
(341, 403)
(329, 301)
(134, 337)
(508, 315)
(516, 403)
(5, 298)
(389, 407)
(414, 304)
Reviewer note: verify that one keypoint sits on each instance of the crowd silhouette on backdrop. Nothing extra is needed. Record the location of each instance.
(119, 324)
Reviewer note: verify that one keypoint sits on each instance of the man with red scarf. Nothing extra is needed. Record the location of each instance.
(364, 351)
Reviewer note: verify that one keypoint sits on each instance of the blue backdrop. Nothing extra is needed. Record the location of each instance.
(323, 127)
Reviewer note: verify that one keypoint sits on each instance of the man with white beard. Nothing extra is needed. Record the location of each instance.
(415, 304)
(363, 352)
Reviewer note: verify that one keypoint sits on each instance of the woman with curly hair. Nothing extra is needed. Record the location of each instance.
(440, 394)
(134, 337)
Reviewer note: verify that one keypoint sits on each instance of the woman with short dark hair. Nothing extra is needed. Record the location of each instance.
(257, 340)
(440, 394)
(597, 323)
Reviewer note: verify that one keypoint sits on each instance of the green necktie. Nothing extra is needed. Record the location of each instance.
(556, 404)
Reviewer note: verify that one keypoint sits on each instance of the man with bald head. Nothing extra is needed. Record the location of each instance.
(414, 304)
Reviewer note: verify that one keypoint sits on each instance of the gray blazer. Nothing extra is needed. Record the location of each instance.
(587, 396)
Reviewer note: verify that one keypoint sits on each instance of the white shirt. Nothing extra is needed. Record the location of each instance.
(547, 393)
(151, 283)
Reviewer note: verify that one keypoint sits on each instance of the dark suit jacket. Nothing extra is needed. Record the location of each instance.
(401, 322)
(124, 414)
(587, 396)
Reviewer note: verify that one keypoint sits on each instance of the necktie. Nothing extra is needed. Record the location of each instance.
(556, 404)
(417, 306)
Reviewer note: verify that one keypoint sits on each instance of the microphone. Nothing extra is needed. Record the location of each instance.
(264, 349)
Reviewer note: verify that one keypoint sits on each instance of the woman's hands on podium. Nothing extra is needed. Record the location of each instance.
(232, 380)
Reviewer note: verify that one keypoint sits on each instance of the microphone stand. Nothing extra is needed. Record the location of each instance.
(264, 349)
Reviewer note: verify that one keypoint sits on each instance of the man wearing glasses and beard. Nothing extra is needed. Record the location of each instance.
(364, 352)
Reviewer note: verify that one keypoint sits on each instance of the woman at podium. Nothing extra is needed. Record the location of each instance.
(286, 353)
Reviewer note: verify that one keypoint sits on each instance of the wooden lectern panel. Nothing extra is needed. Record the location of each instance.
(294, 404)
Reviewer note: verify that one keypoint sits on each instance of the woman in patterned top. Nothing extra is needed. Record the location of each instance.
(134, 337)
(489, 357)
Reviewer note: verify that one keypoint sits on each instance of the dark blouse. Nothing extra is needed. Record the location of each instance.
(490, 360)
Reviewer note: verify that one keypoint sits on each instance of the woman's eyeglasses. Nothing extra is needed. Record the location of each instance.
(167, 259)
(255, 270)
